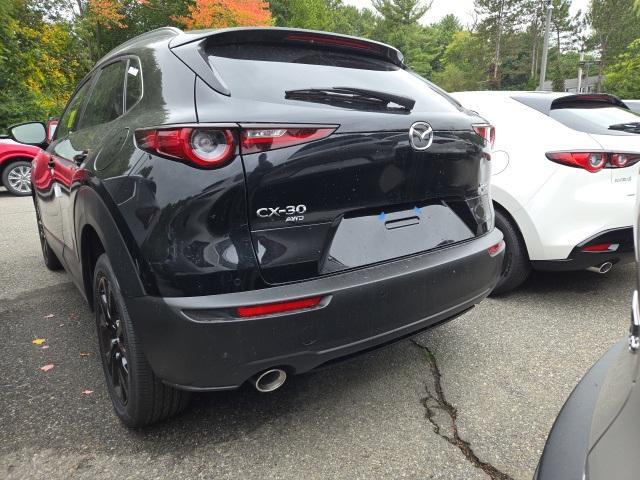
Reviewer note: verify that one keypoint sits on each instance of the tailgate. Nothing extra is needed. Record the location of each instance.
(360, 198)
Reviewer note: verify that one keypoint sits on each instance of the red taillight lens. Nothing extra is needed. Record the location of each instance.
(280, 307)
(203, 147)
(496, 249)
(261, 139)
(487, 132)
(601, 247)
(594, 161)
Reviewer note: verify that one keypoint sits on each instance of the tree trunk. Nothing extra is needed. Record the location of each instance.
(496, 60)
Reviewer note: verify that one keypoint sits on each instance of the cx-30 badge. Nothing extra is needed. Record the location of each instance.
(421, 135)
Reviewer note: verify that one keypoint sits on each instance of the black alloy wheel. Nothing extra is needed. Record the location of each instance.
(112, 342)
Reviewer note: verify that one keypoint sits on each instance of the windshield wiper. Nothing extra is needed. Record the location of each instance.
(632, 127)
(353, 98)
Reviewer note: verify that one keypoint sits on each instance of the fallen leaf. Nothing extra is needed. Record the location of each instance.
(88, 392)
(47, 367)
(61, 325)
(38, 341)
(51, 315)
(84, 354)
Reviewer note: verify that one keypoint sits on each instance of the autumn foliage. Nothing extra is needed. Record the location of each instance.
(226, 13)
(106, 13)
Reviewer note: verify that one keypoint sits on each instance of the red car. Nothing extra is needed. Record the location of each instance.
(15, 162)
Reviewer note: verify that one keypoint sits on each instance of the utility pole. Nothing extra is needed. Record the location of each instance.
(545, 47)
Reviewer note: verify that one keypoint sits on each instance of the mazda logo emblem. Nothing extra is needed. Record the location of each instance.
(421, 135)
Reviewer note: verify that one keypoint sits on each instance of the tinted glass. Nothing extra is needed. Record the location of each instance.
(71, 115)
(106, 100)
(596, 120)
(134, 82)
(265, 72)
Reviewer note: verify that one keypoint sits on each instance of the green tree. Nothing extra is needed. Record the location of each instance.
(614, 25)
(402, 12)
(40, 64)
(498, 19)
(622, 76)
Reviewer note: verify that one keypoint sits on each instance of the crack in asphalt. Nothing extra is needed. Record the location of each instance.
(436, 402)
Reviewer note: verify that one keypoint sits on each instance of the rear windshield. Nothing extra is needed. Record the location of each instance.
(265, 72)
(597, 119)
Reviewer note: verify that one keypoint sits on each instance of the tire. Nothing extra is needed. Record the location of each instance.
(139, 398)
(16, 178)
(516, 266)
(50, 259)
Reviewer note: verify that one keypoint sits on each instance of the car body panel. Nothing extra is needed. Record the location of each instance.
(555, 207)
(182, 238)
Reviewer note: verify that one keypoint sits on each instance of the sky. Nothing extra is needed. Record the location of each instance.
(463, 9)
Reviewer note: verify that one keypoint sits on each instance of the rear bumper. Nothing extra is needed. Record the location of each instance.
(580, 260)
(193, 342)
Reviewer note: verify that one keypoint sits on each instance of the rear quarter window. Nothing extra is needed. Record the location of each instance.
(265, 72)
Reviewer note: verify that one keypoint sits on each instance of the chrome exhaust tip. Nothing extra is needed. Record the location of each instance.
(269, 380)
(602, 269)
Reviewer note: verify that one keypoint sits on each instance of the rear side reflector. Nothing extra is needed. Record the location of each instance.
(496, 249)
(594, 161)
(281, 307)
(256, 140)
(601, 247)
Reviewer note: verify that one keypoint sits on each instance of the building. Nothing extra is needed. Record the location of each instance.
(589, 84)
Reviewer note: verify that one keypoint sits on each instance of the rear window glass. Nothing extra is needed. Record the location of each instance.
(265, 72)
(596, 119)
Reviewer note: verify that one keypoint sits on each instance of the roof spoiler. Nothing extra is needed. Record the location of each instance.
(580, 100)
(189, 47)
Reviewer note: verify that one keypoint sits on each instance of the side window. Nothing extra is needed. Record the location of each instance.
(70, 117)
(134, 83)
(106, 101)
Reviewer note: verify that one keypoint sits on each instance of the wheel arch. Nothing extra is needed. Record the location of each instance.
(13, 159)
(97, 232)
(499, 207)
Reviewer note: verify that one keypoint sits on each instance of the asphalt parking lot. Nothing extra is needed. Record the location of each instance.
(502, 371)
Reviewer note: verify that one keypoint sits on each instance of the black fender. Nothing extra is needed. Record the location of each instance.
(94, 208)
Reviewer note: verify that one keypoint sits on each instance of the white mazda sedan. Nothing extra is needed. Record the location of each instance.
(564, 173)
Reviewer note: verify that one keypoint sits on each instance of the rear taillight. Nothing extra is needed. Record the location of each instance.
(487, 132)
(594, 161)
(211, 147)
(260, 139)
(203, 147)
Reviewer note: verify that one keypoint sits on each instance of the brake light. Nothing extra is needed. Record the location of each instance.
(333, 41)
(601, 247)
(280, 307)
(594, 161)
(260, 139)
(487, 132)
(202, 147)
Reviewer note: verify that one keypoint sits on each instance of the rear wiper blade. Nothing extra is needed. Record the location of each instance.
(355, 97)
(632, 127)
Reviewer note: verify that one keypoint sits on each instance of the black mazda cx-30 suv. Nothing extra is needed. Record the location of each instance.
(246, 204)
